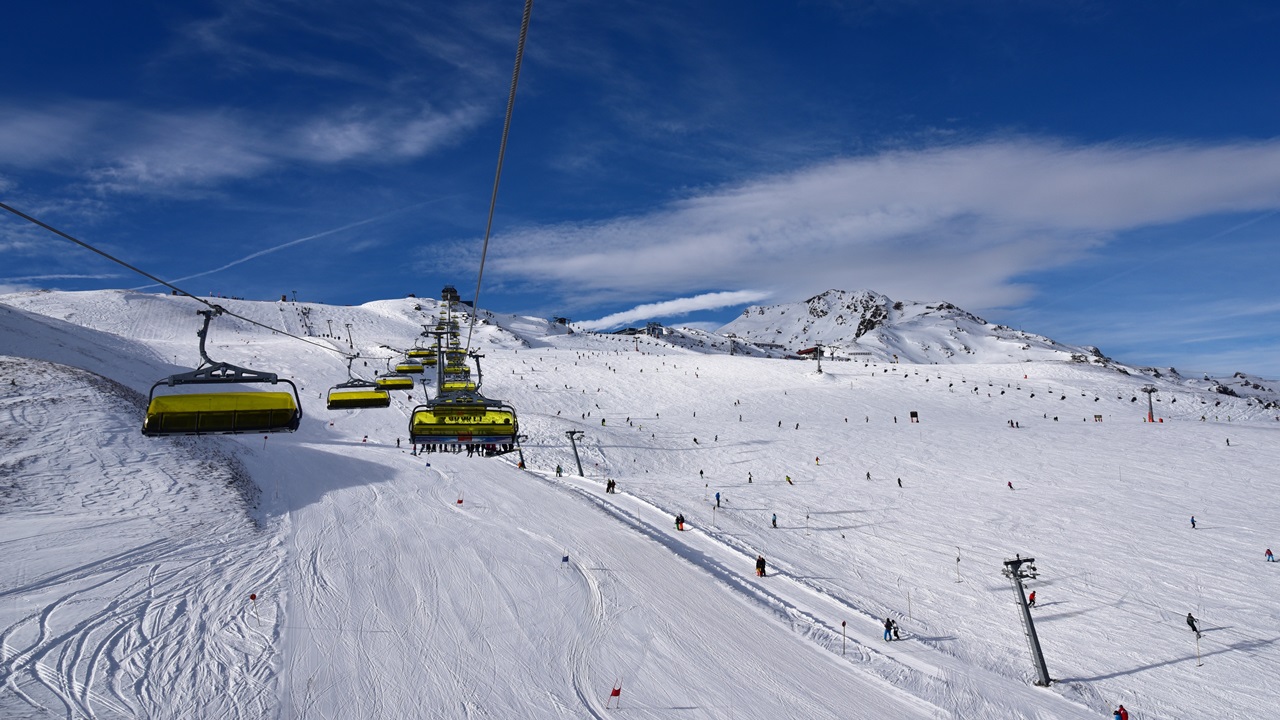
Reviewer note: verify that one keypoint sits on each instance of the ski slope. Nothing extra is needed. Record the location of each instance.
(392, 585)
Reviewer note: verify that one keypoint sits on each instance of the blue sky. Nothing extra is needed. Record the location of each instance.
(1102, 173)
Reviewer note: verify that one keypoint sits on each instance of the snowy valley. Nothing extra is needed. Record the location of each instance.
(332, 573)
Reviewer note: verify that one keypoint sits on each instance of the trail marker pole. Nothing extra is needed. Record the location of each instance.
(1198, 663)
(253, 598)
(616, 692)
(843, 635)
(264, 442)
(958, 565)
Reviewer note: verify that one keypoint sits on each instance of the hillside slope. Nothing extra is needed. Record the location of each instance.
(380, 594)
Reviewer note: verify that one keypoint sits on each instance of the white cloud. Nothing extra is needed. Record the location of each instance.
(358, 134)
(124, 150)
(62, 276)
(961, 223)
(672, 308)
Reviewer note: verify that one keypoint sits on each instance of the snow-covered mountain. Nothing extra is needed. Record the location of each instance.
(330, 572)
(868, 324)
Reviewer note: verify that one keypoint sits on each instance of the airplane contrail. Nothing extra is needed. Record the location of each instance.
(291, 243)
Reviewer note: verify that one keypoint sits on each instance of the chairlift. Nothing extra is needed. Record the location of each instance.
(393, 380)
(357, 393)
(465, 418)
(409, 366)
(220, 412)
(426, 356)
(459, 416)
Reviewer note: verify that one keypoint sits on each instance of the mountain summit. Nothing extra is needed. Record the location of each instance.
(868, 323)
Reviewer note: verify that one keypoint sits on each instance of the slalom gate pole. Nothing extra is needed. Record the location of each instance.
(843, 635)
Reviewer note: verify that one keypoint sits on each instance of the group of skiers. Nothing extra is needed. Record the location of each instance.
(891, 629)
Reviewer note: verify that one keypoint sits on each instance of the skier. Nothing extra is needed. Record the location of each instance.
(748, 477)
(559, 471)
(789, 480)
(899, 482)
(760, 571)
(1010, 483)
(888, 628)
(1193, 522)
(700, 475)
(817, 461)
(868, 474)
(1031, 600)
(895, 631)
(775, 519)
(1121, 713)
(680, 521)
(717, 498)
(1191, 622)
(1270, 557)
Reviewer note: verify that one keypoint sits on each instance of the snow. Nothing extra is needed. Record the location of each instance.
(391, 585)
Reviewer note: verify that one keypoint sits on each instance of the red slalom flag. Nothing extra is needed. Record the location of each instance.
(616, 692)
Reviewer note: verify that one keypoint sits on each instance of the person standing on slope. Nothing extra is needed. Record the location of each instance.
(680, 521)
(1193, 522)
(760, 571)
(775, 519)
(888, 628)
(1270, 557)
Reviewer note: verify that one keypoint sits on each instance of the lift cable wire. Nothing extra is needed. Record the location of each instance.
(171, 286)
(502, 151)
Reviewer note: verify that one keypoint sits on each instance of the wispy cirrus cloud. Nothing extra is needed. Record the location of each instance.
(675, 308)
(960, 222)
(118, 149)
(63, 276)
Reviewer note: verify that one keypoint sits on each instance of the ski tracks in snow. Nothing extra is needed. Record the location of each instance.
(149, 618)
(945, 685)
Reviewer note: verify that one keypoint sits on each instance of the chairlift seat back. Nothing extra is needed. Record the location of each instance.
(222, 413)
